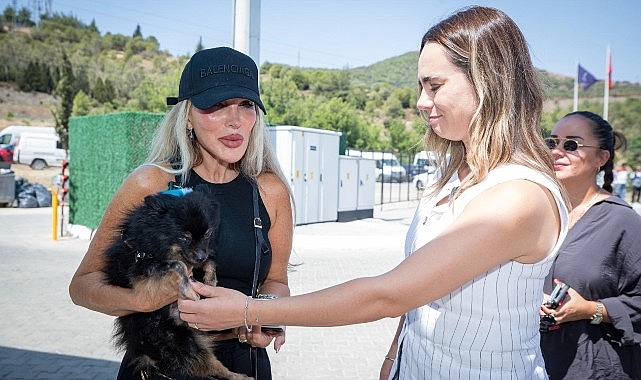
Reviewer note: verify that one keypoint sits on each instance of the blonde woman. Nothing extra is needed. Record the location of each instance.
(214, 136)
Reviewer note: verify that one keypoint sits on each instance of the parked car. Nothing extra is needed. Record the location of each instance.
(39, 150)
(6, 156)
(11, 134)
(413, 170)
(423, 180)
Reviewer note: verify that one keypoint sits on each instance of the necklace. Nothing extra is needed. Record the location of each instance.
(585, 208)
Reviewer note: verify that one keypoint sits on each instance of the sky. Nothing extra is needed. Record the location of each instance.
(355, 33)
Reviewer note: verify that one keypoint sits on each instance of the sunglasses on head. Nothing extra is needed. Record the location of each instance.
(569, 145)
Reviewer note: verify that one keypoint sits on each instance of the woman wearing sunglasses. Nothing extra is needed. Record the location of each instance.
(598, 325)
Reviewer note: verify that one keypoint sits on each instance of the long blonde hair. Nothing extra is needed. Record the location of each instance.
(175, 152)
(491, 50)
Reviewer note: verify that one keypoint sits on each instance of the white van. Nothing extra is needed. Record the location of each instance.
(11, 134)
(388, 169)
(425, 161)
(39, 150)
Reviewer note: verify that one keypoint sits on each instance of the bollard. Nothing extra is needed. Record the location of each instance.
(54, 213)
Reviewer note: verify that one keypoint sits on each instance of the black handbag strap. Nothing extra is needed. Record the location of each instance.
(260, 242)
(258, 226)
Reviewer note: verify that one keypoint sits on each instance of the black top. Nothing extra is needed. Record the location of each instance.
(234, 247)
(601, 259)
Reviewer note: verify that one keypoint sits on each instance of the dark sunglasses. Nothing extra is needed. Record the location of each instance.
(569, 145)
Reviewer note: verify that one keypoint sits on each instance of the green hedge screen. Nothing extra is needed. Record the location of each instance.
(103, 150)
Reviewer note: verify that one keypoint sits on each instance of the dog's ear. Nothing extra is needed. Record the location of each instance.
(157, 202)
(128, 242)
(126, 239)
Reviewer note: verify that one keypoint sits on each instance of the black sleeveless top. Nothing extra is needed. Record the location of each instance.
(234, 246)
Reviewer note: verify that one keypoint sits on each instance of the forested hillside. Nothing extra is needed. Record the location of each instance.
(85, 71)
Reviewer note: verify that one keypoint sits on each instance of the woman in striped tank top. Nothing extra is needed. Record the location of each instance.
(484, 235)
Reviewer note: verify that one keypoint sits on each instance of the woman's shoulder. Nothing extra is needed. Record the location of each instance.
(517, 171)
(621, 210)
(148, 179)
(506, 176)
(274, 191)
(514, 190)
(271, 184)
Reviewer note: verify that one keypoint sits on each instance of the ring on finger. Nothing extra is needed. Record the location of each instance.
(242, 339)
(196, 326)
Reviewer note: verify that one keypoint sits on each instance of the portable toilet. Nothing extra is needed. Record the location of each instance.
(309, 159)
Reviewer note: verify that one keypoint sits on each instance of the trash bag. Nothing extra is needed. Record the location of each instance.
(27, 200)
(43, 195)
(32, 195)
(20, 182)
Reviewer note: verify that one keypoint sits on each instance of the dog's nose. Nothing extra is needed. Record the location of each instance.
(200, 255)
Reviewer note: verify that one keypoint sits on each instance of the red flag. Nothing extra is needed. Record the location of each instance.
(610, 84)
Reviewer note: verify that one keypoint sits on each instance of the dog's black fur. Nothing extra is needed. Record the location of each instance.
(162, 241)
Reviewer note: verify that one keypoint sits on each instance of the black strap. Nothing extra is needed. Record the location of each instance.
(258, 226)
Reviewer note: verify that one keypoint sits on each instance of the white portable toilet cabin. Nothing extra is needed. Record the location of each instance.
(309, 159)
(356, 188)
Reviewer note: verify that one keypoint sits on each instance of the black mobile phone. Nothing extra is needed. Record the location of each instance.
(548, 323)
(272, 329)
(557, 295)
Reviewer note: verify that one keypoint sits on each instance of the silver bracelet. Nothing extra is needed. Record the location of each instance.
(247, 327)
(390, 359)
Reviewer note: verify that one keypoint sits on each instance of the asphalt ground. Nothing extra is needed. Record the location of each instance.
(43, 335)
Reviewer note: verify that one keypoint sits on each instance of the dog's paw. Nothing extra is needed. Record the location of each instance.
(210, 273)
(187, 292)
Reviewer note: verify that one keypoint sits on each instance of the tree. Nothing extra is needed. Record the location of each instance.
(24, 17)
(137, 32)
(9, 15)
(66, 91)
(336, 115)
(279, 96)
(92, 27)
(200, 46)
(82, 104)
(400, 138)
(103, 91)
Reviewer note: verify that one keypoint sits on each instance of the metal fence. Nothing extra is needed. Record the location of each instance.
(393, 184)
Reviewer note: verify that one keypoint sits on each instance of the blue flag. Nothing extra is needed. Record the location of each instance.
(585, 79)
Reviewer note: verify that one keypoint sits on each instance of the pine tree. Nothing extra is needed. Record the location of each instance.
(66, 90)
(137, 32)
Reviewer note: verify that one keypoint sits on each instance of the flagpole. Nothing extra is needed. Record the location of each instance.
(576, 88)
(606, 88)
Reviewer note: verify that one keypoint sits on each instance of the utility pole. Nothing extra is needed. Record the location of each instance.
(246, 25)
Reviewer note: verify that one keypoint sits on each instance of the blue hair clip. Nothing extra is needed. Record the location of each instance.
(178, 192)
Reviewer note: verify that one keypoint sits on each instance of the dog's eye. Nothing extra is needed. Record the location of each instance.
(186, 238)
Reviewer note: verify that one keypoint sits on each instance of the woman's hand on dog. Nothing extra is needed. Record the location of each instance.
(151, 297)
(205, 314)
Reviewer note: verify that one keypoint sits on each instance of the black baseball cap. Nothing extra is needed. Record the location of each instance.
(214, 75)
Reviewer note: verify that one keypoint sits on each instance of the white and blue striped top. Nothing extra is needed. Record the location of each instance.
(489, 327)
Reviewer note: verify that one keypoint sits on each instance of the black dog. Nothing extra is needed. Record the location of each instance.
(162, 242)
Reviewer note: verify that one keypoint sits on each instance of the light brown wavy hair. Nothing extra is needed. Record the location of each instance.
(490, 49)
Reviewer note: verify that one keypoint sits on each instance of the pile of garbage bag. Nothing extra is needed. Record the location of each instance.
(30, 195)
